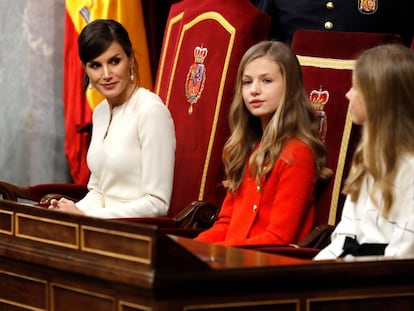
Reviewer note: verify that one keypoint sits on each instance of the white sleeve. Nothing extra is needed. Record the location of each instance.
(346, 227)
(401, 242)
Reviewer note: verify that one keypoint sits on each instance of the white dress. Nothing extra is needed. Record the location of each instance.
(132, 167)
(363, 220)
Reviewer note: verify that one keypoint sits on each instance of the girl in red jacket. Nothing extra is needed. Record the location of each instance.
(274, 156)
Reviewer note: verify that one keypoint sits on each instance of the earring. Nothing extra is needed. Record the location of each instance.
(90, 86)
(131, 72)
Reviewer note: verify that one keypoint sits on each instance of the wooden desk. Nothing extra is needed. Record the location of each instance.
(55, 261)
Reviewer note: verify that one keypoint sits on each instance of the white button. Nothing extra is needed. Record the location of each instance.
(254, 208)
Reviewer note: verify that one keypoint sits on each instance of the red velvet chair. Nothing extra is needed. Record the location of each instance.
(327, 60)
(203, 44)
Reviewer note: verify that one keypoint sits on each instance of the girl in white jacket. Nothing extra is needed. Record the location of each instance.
(378, 215)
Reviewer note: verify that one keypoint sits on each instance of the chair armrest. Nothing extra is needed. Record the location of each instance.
(195, 217)
(45, 192)
(42, 193)
(198, 214)
(12, 192)
(318, 238)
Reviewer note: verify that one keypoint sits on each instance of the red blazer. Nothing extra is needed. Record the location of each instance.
(282, 213)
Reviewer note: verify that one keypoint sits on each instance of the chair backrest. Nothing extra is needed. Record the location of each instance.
(202, 47)
(327, 60)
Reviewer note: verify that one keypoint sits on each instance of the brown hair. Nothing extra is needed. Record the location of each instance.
(295, 117)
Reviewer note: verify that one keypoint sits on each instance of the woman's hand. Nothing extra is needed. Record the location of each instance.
(65, 205)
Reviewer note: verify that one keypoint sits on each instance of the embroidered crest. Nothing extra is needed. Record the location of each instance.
(196, 77)
(86, 14)
(367, 6)
(319, 99)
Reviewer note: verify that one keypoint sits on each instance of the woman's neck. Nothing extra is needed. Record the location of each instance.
(122, 98)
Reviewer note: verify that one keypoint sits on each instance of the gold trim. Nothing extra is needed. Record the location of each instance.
(328, 63)
(10, 213)
(47, 221)
(355, 297)
(232, 31)
(24, 277)
(243, 304)
(340, 64)
(20, 305)
(123, 303)
(173, 20)
(138, 237)
(336, 190)
(55, 285)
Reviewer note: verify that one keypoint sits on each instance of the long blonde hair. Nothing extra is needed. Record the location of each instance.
(295, 117)
(384, 77)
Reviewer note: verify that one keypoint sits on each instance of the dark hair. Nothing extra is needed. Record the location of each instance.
(97, 36)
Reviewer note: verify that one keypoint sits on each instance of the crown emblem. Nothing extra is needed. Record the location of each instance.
(196, 77)
(319, 98)
(200, 54)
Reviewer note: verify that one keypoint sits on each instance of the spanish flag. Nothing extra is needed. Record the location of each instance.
(78, 107)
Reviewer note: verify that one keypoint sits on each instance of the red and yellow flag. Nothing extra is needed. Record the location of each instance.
(78, 107)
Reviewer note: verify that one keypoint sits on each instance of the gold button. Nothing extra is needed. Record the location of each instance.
(328, 25)
(258, 188)
(330, 5)
(254, 208)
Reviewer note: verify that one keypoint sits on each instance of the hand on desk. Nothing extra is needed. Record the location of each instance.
(65, 205)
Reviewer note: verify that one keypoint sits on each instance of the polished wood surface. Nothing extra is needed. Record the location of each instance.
(55, 261)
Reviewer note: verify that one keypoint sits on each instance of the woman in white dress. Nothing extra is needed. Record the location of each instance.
(132, 151)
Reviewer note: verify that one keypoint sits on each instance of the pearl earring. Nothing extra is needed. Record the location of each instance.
(90, 86)
(131, 71)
